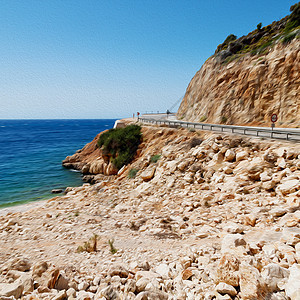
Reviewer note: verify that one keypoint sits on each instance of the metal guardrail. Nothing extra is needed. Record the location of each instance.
(250, 131)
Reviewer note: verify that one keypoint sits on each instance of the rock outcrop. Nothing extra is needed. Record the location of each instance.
(247, 90)
(250, 78)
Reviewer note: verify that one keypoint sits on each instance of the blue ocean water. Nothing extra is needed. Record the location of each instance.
(31, 152)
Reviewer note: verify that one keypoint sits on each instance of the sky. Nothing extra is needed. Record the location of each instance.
(81, 59)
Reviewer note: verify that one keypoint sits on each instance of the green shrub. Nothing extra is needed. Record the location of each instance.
(224, 45)
(223, 119)
(203, 118)
(120, 144)
(90, 246)
(155, 158)
(259, 25)
(132, 173)
(294, 18)
(289, 37)
(112, 248)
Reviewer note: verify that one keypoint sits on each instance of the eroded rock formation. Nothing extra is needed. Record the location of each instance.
(247, 90)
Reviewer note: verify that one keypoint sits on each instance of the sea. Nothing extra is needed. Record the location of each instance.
(31, 153)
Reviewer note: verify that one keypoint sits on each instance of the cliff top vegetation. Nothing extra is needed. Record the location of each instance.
(262, 38)
(119, 145)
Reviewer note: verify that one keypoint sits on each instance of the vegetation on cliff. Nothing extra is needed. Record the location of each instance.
(262, 38)
(119, 145)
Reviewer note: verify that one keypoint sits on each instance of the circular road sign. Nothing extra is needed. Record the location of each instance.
(274, 118)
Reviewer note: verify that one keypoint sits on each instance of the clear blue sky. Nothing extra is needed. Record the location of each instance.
(108, 59)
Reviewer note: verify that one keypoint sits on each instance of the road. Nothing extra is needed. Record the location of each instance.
(290, 134)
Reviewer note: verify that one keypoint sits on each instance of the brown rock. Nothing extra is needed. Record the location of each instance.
(224, 288)
(148, 174)
(11, 289)
(118, 270)
(186, 274)
(20, 264)
(39, 269)
(252, 285)
(289, 186)
(228, 270)
(229, 155)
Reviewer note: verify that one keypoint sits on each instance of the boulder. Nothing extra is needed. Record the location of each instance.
(141, 284)
(20, 264)
(273, 274)
(111, 170)
(288, 187)
(56, 191)
(148, 174)
(97, 167)
(281, 163)
(163, 270)
(269, 185)
(39, 268)
(188, 177)
(234, 228)
(252, 285)
(27, 282)
(224, 288)
(231, 242)
(118, 270)
(51, 278)
(11, 289)
(229, 155)
(151, 295)
(83, 295)
(108, 293)
(130, 286)
(62, 295)
(278, 212)
(255, 169)
(187, 274)
(146, 274)
(242, 155)
(292, 287)
(228, 270)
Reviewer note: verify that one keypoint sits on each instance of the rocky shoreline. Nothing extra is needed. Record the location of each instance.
(216, 217)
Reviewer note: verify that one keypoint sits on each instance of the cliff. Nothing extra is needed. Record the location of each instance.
(248, 79)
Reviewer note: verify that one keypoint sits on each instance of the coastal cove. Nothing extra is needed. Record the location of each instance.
(31, 152)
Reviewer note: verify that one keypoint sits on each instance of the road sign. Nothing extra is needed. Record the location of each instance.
(274, 118)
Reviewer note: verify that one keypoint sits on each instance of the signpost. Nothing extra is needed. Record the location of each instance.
(273, 120)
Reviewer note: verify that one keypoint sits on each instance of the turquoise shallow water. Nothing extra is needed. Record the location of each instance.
(31, 152)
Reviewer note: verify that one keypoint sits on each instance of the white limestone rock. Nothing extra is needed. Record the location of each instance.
(292, 287)
(273, 274)
(224, 288)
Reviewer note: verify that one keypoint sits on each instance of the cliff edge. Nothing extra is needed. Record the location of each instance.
(250, 78)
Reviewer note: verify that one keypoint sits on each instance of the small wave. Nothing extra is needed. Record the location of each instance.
(2, 126)
(72, 170)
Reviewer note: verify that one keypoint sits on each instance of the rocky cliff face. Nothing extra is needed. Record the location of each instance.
(247, 90)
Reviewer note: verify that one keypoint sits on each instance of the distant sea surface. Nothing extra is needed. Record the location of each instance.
(31, 152)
